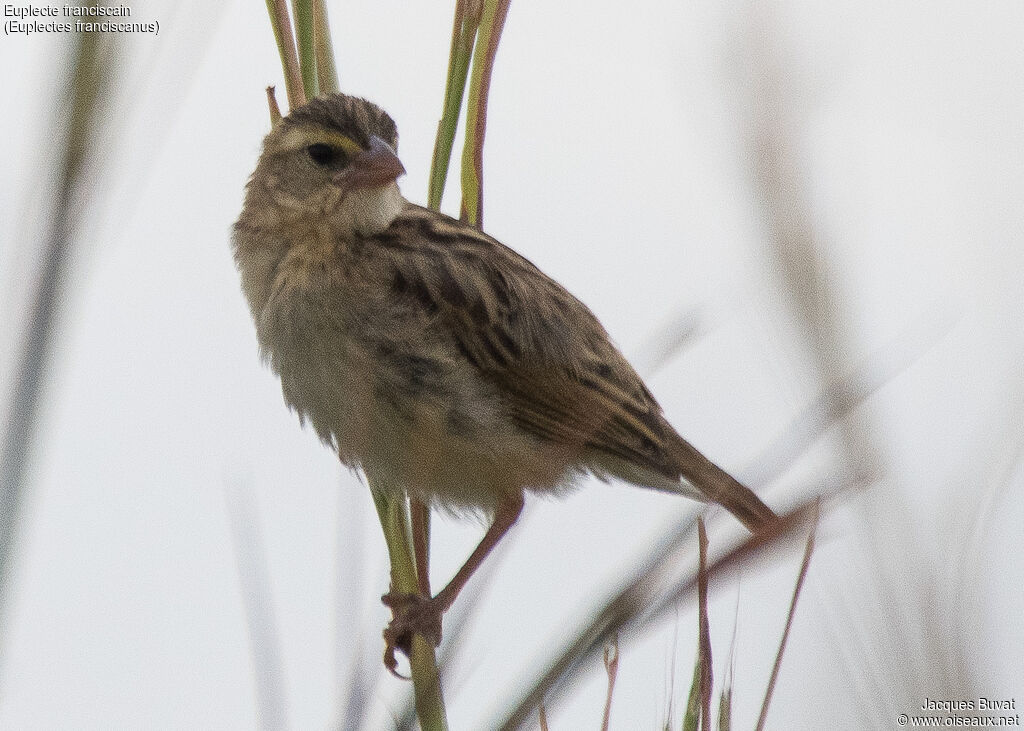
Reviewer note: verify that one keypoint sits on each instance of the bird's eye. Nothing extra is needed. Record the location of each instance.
(323, 155)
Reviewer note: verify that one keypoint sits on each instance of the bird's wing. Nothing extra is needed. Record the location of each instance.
(544, 352)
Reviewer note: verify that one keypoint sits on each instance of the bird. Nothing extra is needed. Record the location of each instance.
(440, 362)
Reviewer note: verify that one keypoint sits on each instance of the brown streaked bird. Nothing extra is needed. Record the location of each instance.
(430, 355)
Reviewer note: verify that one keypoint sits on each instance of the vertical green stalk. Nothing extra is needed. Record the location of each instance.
(725, 708)
(282, 25)
(303, 12)
(698, 704)
(467, 20)
(691, 717)
(326, 73)
(314, 64)
(492, 23)
(394, 519)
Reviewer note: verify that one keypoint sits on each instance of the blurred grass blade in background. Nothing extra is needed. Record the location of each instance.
(255, 586)
(79, 116)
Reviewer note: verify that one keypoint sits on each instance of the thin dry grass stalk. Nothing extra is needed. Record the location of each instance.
(704, 628)
(902, 590)
(638, 605)
(611, 669)
(275, 110)
(625, 605)
(808, 551)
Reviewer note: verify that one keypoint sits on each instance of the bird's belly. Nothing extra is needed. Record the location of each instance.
(461, 468)
(451, 447)
(400, 408)
(333, 393)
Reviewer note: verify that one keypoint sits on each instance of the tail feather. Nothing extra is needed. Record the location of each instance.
(719, 486)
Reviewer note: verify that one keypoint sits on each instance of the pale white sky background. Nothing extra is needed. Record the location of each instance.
(618, 160)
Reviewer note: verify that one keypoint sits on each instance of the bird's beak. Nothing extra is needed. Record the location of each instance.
(372, 168)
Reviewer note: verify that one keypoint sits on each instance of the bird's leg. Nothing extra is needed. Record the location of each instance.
(413, 614)
(421, 542)
(505, 517)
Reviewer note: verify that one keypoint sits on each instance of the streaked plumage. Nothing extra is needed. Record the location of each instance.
(428, 353)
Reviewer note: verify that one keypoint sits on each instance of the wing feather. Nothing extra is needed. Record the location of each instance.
(543, 351)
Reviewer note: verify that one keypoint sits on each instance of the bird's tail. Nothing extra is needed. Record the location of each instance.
(717, 485)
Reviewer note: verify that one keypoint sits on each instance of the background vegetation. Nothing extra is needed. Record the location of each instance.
(803, 223)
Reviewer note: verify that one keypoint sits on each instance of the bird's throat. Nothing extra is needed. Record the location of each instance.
(368, 211)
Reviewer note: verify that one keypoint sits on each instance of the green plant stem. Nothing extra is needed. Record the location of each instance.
(282, 25)
(394, 519)
(464, 27)
(303, 12)
(467, 20)
(725, 709)
(326, 72)
(307, 73)
(691, 717)
(488, 36)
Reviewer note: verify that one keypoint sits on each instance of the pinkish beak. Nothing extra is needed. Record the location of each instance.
(372, 168)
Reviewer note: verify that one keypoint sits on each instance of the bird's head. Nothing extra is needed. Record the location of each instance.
(331, 160)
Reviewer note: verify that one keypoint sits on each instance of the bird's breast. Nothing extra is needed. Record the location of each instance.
(394, 398)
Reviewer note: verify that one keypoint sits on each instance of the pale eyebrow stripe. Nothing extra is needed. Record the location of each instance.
(296, 138)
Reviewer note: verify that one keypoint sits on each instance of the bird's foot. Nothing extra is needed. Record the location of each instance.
(410, 614)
